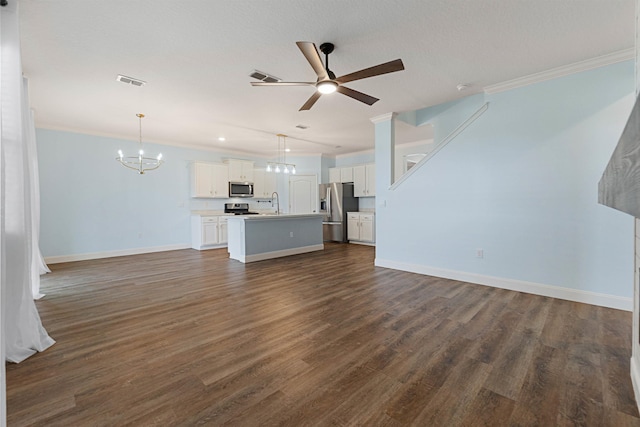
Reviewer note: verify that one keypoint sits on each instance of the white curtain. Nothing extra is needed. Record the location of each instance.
(38, 265)
(23, 333)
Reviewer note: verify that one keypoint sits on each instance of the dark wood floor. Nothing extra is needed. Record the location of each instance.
(189, 338)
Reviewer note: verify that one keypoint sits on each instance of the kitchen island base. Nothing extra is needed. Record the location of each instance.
(259, 237)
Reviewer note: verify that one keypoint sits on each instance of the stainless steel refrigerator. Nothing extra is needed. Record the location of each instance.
(336, 199)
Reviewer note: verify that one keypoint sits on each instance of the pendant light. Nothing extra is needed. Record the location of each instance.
(140, 163)
(281, 164)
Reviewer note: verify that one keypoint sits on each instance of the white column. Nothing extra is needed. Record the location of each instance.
(384, 150)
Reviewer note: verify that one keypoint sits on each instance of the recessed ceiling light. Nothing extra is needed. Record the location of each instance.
(287, 150)
(222, 139)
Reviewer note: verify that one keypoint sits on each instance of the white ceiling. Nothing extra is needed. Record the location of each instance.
(197, 55)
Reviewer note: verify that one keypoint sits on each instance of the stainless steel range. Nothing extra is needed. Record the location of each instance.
(238, 209)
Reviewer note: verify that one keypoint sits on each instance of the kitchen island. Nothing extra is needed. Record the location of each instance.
(259, 237)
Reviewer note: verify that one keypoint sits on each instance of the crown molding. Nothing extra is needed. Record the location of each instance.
(383, 118)
(177, 144)
(565, 70)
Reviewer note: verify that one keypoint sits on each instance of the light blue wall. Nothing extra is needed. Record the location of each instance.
(521, 183)
(89, 203)
(355, 159)
(326, 162)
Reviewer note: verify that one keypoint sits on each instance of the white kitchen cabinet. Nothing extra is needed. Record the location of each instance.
(361, 227)
(364, 180)
(353, 226)
(209, 180)
(264, 184)
(201, 178)
(335, 175)
(220, 185)
(208, 231)
(367, 230)
(344, 174)
(240, 170)
(222, 230)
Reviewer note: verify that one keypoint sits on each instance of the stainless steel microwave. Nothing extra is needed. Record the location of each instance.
(241, 189)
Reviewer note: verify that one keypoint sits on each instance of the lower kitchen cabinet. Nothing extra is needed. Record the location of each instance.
(208, 231)
(361, 227)
(222, 230)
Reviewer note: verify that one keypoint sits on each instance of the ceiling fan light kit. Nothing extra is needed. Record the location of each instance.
(327, 87)
(328, 82)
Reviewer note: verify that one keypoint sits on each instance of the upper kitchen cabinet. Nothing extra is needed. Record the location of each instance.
(264, 184)
(364, 180)
(209, 180)
(334, 175)
(341, 174)
(346, 174)
(240, 170)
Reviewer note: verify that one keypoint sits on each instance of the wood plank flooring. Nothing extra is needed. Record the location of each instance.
(191, 338)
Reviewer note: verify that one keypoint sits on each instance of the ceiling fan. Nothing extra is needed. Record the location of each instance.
(327, 81)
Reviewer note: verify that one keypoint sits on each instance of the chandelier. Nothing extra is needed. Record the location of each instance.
(140, 163)
(281, 165)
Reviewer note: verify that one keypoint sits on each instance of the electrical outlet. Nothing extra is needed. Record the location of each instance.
(291, 234)
(139, 235)
(479, 253)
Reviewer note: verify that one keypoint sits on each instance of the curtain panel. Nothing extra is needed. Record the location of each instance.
(23, 333)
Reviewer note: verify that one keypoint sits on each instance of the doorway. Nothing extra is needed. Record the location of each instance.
(303, 194)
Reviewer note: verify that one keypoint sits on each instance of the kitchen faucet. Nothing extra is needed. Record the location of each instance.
(277, 201)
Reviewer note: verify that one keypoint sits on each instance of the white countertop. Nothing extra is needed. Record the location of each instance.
(209, 213)
(273, 216)
(223, 213)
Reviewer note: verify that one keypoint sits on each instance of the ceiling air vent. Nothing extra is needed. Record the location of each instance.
(264, 77)
(130, 80)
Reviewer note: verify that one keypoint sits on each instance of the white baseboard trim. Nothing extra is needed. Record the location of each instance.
(110, 254)
(207, 247)
(587, 297)
(278, 254)
(635, 379)
(357, 242)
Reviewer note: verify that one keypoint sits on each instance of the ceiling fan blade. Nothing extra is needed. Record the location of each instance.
(312, 100)
(282, 84)
(362, 97)
(387, 67)
(310, 52)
